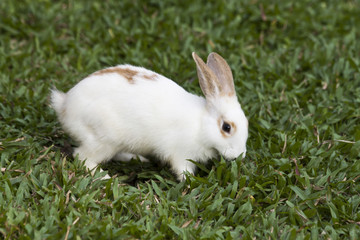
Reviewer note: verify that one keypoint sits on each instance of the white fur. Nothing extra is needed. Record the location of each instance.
(109, 116)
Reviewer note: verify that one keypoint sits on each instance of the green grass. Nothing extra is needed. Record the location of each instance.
(297, 71)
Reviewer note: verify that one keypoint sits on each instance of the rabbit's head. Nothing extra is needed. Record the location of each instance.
(225, 125)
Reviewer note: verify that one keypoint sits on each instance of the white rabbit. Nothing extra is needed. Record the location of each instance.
(127, 109)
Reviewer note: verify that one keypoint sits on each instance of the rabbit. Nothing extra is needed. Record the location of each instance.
(127, 111)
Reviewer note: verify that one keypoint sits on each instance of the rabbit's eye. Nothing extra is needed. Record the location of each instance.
(226, 127)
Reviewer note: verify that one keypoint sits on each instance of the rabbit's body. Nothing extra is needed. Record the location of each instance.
(127, 109)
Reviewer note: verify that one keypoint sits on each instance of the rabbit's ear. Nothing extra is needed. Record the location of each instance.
(208, 81)
(221, 69)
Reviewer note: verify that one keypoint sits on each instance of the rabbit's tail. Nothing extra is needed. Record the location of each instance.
(57, 101)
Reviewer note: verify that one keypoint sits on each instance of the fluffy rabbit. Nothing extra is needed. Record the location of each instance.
(127, 110)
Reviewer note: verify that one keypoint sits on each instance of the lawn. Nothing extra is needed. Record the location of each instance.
(296, 66)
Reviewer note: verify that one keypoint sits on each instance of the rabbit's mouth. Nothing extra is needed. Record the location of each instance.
(231, 155)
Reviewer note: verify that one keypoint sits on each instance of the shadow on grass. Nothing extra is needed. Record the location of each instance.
(135, 171)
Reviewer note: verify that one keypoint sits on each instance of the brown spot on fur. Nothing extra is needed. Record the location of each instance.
(150, 77)
(225, 134)
(125, 72)
(233, 126)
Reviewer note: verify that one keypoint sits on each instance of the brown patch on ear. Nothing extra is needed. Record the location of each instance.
(223, 72)
(224, 134)
(209, 83)
(125, 72)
